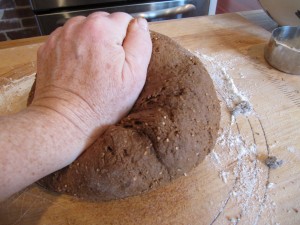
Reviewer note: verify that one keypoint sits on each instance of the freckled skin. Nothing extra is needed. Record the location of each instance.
(84, 84)
(170, 129)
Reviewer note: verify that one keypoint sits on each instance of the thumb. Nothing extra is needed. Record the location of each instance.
(138, 46)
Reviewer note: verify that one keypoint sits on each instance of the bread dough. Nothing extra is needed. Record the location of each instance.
(170, 129)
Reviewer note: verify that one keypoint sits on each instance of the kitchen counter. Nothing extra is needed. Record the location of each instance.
(233, 185)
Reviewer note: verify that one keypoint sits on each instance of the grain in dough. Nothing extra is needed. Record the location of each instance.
(170, 129)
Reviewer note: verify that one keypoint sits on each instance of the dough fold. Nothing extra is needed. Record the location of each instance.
(169, 131)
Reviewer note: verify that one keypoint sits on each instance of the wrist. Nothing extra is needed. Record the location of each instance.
(72, 110)
(60, 136)
(36, 142)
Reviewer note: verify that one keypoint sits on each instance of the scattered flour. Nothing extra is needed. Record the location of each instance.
(14, 91)
(244, 170)
(215, 157)
(239, 163)
(236, 101)
(224, 175)
(271, 185)
(291, 149)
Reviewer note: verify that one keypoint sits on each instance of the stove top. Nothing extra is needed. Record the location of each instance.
(54, 4)
(51, 14)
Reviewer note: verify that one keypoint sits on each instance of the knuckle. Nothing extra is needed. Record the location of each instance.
(94, 26)
(56, 32)
(40, 50)
(121, 15)
(71, 23)
(73, 20)
(98, 14)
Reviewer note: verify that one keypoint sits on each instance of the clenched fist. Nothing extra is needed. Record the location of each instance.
(89, 74)
(92, 69)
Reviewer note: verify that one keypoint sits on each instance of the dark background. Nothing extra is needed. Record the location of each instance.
(17, 19)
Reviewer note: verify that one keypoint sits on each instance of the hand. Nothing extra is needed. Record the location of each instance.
(89, 74)
(91, 70)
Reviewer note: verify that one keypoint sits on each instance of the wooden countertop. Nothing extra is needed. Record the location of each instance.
(232, 185)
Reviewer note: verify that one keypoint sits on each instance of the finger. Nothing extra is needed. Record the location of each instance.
(138, 45)
(40, 58)
(112, 27)
(73, 21)
(120, 22)
(49, 44)
(56, 32)
(121, 18)
(98, 14)
(70, 27)
(53, 37)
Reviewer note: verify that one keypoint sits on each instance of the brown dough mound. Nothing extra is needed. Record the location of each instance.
(171, 128)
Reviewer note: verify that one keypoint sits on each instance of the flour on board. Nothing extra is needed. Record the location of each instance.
(236, 101)
(13, 91)
(239, 164)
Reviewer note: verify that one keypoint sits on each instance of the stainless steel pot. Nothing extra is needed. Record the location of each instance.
(283, 49)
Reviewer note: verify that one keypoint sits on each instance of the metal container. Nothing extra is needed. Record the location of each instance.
(283, 49)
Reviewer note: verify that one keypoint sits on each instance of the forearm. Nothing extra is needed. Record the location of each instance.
(34, 143)
(82, 86)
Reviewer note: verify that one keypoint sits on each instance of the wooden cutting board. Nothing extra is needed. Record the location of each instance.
(233, 185)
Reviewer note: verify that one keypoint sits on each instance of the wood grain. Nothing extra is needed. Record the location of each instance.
(226, 6)
(232, 185)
